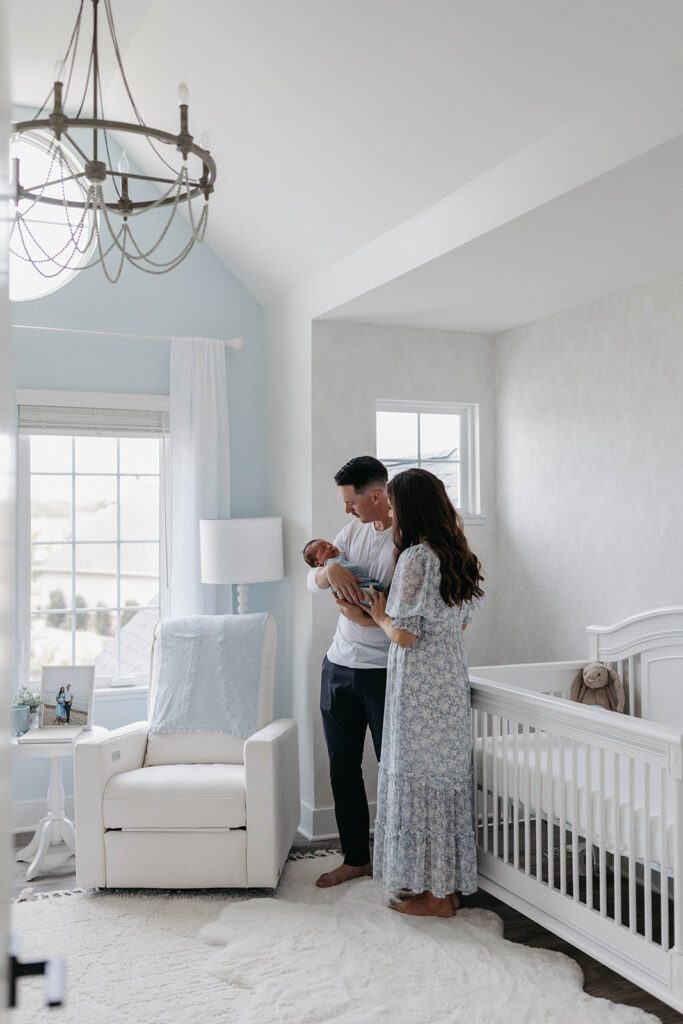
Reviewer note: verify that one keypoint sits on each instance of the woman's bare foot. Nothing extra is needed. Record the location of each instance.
(405, 894)
(426, 905)
(344, 873)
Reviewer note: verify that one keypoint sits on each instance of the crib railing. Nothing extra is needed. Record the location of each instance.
(581, 811)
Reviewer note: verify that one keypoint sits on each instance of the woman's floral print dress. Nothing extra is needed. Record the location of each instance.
(424, 836)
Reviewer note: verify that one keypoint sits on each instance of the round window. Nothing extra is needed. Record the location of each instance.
(48, 243)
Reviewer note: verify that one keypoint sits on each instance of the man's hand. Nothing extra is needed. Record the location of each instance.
(344, 582)
(353, 612)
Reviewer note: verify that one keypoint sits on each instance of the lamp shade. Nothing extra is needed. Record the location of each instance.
(241, 550)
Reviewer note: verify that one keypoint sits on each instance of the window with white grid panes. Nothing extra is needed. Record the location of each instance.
(435, 436)
(95, 537)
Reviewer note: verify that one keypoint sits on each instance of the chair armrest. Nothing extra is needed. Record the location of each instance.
(96, 759)
(271, 774)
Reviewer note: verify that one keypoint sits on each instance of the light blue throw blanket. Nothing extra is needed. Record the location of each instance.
(209, 674)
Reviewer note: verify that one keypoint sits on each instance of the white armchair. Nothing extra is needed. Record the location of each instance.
(188, 810)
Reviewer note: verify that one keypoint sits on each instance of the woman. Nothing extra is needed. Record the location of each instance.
(424, 840)
(61, 712)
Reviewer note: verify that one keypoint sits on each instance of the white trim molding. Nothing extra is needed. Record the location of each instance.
(319, 823)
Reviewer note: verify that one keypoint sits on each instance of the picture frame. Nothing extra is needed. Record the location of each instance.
(57, 683)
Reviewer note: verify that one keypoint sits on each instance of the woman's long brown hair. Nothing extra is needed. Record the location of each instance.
(423, 512)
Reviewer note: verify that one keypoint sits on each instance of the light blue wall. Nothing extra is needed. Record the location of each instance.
(200, 297)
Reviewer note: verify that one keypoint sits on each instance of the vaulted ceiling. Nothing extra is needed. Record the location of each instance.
(334, 122)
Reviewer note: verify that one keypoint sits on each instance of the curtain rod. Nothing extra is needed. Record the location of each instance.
(236, 343)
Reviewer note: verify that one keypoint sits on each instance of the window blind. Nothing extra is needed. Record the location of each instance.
(84, 420)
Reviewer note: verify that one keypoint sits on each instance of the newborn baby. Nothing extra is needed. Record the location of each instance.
(320, 552)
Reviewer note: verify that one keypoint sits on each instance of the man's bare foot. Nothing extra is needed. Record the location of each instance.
(426, 905)
(455, 900)
(344, 873)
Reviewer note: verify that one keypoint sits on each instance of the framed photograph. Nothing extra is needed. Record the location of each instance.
(66, 694)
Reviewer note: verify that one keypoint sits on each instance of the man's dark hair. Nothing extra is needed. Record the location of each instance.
(363, 473)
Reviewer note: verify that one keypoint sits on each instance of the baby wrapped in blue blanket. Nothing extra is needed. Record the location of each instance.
(320, 552)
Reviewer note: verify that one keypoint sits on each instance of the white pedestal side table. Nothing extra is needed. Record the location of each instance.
(55, 827)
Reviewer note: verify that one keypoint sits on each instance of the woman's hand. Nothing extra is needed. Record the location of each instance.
(378, 610)
(378, 605)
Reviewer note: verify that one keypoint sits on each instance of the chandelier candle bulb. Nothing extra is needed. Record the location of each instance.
(124, 163)
(183, 95)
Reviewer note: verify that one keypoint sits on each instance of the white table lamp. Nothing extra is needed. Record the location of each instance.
(241, 551)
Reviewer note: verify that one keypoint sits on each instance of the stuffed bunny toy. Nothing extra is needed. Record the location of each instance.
(599, 685)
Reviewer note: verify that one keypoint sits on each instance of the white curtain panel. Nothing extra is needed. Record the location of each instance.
(200, 469)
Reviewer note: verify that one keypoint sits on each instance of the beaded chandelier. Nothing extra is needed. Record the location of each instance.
(95, 203)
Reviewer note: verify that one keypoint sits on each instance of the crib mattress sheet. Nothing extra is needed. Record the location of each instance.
(542, 789)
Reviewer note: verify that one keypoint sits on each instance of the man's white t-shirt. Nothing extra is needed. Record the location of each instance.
(361, 646)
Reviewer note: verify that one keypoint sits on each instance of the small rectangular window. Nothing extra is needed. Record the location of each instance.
(440, 437)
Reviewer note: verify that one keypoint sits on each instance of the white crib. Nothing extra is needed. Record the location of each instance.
(579, 811)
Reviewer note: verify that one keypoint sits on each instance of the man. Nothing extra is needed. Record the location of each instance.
(354, 671)
(68, 701)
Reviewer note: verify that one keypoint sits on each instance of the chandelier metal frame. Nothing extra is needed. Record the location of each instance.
(59, 127)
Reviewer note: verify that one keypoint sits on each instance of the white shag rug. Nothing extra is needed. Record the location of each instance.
(301, 956)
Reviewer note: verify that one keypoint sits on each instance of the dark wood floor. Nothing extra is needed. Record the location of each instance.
(599, 980)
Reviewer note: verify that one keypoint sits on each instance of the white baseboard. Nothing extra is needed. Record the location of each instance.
(27, 813)
(318, 823)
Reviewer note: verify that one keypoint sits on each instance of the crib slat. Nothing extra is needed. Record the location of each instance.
(475, 769)
(631, 685)
(538, 778)
(616, 761)
(527, 799)
(575, 822)
(550, 823)
(677, 813)
(647, 866)
(505, 788)
(495, 758)
(602, 825)
(631, 847)
(515, 794)
(484, 780)
(589, 825)
(563, 818)
(664, 858)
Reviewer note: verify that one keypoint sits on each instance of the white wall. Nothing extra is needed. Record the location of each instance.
(288, 412)
(352, 366)
(7, 531)
(581, 484)
(590, 454)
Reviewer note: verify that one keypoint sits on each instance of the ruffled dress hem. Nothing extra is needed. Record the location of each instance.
(430, 843)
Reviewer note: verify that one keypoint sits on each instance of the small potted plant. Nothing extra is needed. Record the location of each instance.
(30, 699)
